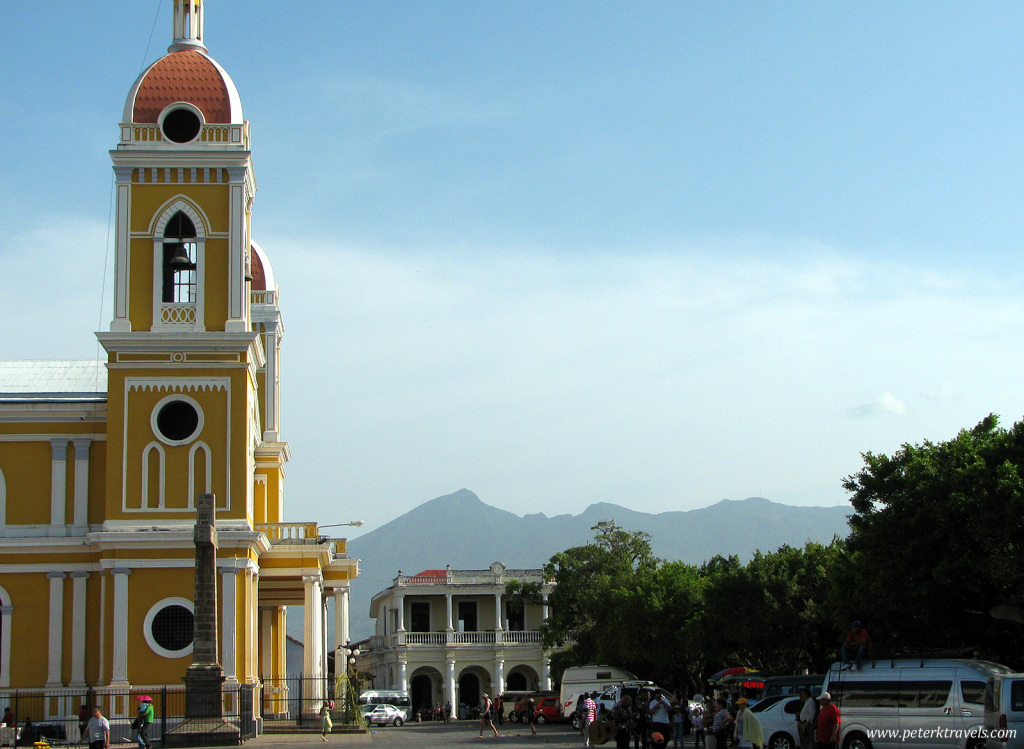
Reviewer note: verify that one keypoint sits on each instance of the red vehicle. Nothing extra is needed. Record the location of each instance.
(545, 709)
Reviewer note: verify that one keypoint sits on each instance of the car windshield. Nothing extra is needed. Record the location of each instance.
(764, 704)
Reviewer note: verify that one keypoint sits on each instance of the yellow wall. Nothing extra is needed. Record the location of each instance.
(27, 472)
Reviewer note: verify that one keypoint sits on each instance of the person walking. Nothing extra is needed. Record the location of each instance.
(326, 724)
(143, 722)
(486, 709)
(99, 730)
(589, 716)
(83, 724)
(531, 715)
(828, 723)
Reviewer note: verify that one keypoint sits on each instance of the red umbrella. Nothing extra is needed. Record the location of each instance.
(144, 698)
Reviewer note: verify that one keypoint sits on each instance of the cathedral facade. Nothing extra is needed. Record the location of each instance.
(101, 461)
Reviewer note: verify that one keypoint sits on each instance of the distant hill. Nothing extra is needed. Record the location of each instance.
(460, 530)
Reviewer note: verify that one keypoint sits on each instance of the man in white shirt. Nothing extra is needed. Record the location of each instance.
(658, 710)
(99, 730)
(805, 720)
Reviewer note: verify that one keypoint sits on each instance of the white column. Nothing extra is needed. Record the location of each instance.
(403, 682)
(53, 676)
(312, 658)
(341, 635)
(544, 609)
(58, 487)
(498, 618)
(229, 623)
(81, 518)
(78, 611)
(323, 635)
(449, 687)
(546, 668)
(449, 629)
(6, 613)
(499, 676)
(251, 615)
(400, 606)
(119, 669)
(266, 645)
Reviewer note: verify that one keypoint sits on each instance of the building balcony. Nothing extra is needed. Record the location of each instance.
(437, 639)
(292, 534)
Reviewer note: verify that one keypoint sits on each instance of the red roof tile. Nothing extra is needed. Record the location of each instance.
(183, 76)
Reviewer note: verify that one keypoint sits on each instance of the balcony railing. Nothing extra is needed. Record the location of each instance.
(521, 637)
(284, 533)
(426, 638)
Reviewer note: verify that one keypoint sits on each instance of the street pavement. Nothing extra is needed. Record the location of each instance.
(425, 736)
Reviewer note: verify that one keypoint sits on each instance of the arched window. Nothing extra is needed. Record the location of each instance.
(180, 255)
(179, 245)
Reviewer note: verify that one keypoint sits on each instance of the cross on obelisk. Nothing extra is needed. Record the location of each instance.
(204, 677)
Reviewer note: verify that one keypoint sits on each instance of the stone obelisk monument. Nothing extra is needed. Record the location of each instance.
(204, 723)
(205, 676)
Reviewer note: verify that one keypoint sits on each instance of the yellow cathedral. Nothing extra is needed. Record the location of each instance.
(101, 461)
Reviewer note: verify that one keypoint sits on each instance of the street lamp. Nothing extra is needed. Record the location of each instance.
(354, 524)
(349, 653)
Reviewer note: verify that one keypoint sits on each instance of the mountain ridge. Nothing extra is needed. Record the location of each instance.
(462, 530)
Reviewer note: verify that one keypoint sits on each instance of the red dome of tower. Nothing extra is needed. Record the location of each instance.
(186, 75)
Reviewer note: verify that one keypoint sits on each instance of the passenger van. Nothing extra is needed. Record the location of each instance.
(1004, 712)
(912, 703)
(592, 678)
(397, 697)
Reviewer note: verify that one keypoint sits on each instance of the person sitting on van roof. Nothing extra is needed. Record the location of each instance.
(859, 639)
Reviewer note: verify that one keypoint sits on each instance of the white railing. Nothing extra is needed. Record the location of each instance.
(426, 638)
(424, 580)
(178, 313)
(227, 135)
(474, 638)
(264, 296)
(522, 637)
(288, 532)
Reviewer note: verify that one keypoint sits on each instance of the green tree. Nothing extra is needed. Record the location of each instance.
(937, 544)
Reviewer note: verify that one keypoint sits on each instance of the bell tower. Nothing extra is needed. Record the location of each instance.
(187, 348)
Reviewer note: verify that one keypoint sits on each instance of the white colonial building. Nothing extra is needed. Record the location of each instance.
(449, 635)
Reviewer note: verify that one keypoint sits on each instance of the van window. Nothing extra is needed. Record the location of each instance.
(973, 692)
(866, 694)
(1017, 695)
(926, 693)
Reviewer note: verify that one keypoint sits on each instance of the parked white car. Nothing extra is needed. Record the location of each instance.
(382, 715)
(778, 720)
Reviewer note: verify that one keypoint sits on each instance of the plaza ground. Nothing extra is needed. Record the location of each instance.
(424, 735)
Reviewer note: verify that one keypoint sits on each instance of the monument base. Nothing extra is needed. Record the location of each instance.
(203, 732)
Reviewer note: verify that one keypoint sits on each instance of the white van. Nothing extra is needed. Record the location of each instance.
(1004, 712)
(592, 678)
(912, 703)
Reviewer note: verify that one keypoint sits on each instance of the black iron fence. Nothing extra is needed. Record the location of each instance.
(297, 699)
(59, 715)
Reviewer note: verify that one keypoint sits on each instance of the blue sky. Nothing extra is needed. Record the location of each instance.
(657, 254)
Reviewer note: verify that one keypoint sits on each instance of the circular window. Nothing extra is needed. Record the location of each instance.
(177, 419)
(169, 627)
(181, 124)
